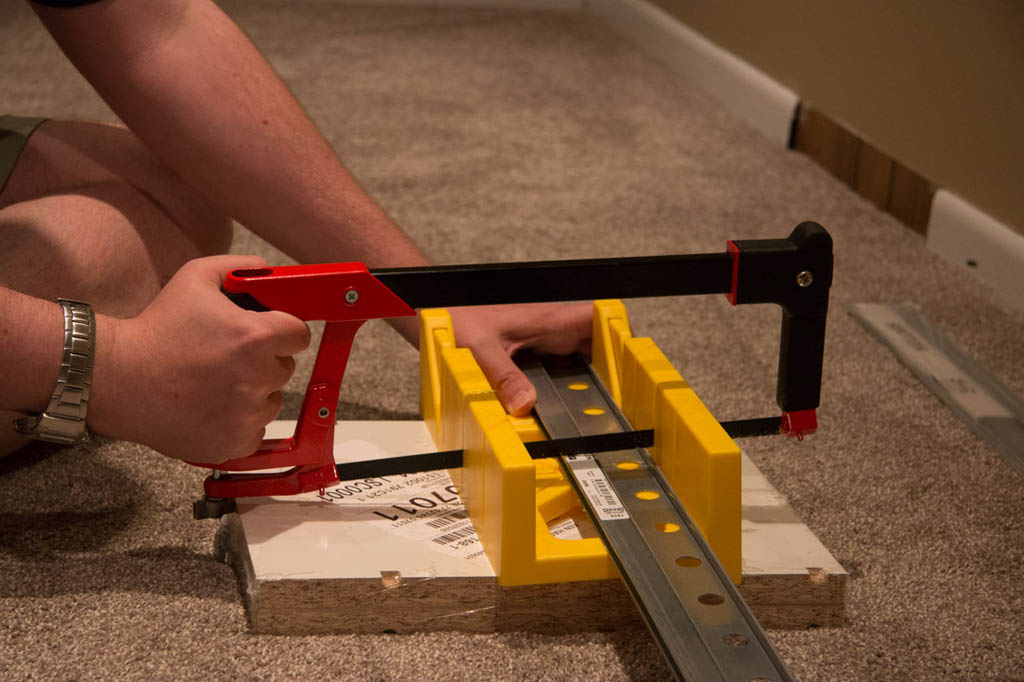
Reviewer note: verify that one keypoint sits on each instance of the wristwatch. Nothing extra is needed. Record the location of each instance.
(63, 421)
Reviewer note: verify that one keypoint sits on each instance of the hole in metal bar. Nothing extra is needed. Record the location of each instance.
(578, 386)
(628, 465)
(667, 527)
(593, 411)
(734, 639)
(648, 495)
(688, 561)
(711, 599)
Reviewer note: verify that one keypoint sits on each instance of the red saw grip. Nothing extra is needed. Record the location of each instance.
(343, 294)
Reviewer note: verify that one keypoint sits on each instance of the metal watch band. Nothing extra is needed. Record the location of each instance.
(63, 421)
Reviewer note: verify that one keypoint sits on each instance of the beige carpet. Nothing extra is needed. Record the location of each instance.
(499, 135)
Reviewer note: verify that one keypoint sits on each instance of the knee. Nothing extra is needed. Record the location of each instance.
(131, 161)
(198, 219)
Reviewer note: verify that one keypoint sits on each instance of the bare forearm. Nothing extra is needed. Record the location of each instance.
(30, 334)
(199, 94)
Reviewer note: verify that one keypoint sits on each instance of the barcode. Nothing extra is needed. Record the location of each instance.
(454, 535)
(441, 522)
(604, 491)
(602, 496)
(447, 520)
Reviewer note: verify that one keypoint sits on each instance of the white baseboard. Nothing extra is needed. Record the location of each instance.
(970, 238)
(762, 102)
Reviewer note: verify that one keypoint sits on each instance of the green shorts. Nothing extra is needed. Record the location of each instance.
(14, 133)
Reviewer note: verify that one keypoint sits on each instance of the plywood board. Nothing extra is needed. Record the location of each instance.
(403, 549)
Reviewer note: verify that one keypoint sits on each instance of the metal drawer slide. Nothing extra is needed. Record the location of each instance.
(695, 613)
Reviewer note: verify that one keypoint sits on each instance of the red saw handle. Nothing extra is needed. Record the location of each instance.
(343, 294)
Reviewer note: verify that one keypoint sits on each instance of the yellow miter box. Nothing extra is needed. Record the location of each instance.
(502, 488)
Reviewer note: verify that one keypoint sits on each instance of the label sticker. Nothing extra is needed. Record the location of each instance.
(422, 507)
(573, 525)
(602, 497)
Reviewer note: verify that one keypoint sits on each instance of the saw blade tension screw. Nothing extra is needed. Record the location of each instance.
(804, 278)
(323, 412)
(351, 296)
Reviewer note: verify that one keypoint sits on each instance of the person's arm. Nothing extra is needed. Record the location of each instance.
(194, 89)
(192, 86)
(193, 376)
(31, 333)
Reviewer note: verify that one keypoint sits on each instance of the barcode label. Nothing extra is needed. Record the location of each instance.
(455, 535)
(602, 497)
(447, 519)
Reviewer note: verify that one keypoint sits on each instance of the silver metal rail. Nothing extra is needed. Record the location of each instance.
(690, 605)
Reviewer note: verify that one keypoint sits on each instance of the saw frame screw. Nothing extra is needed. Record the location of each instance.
(804, 278)
(323, 413)
(351, 296)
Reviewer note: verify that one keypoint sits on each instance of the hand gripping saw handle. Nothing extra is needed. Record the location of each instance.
(795, 273)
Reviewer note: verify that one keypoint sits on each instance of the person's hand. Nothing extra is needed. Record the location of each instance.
(194, 376)
(495, 333)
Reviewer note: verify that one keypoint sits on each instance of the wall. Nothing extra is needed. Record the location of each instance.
(937, 85)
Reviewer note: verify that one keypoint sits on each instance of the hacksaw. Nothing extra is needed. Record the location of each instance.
(794, 273)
